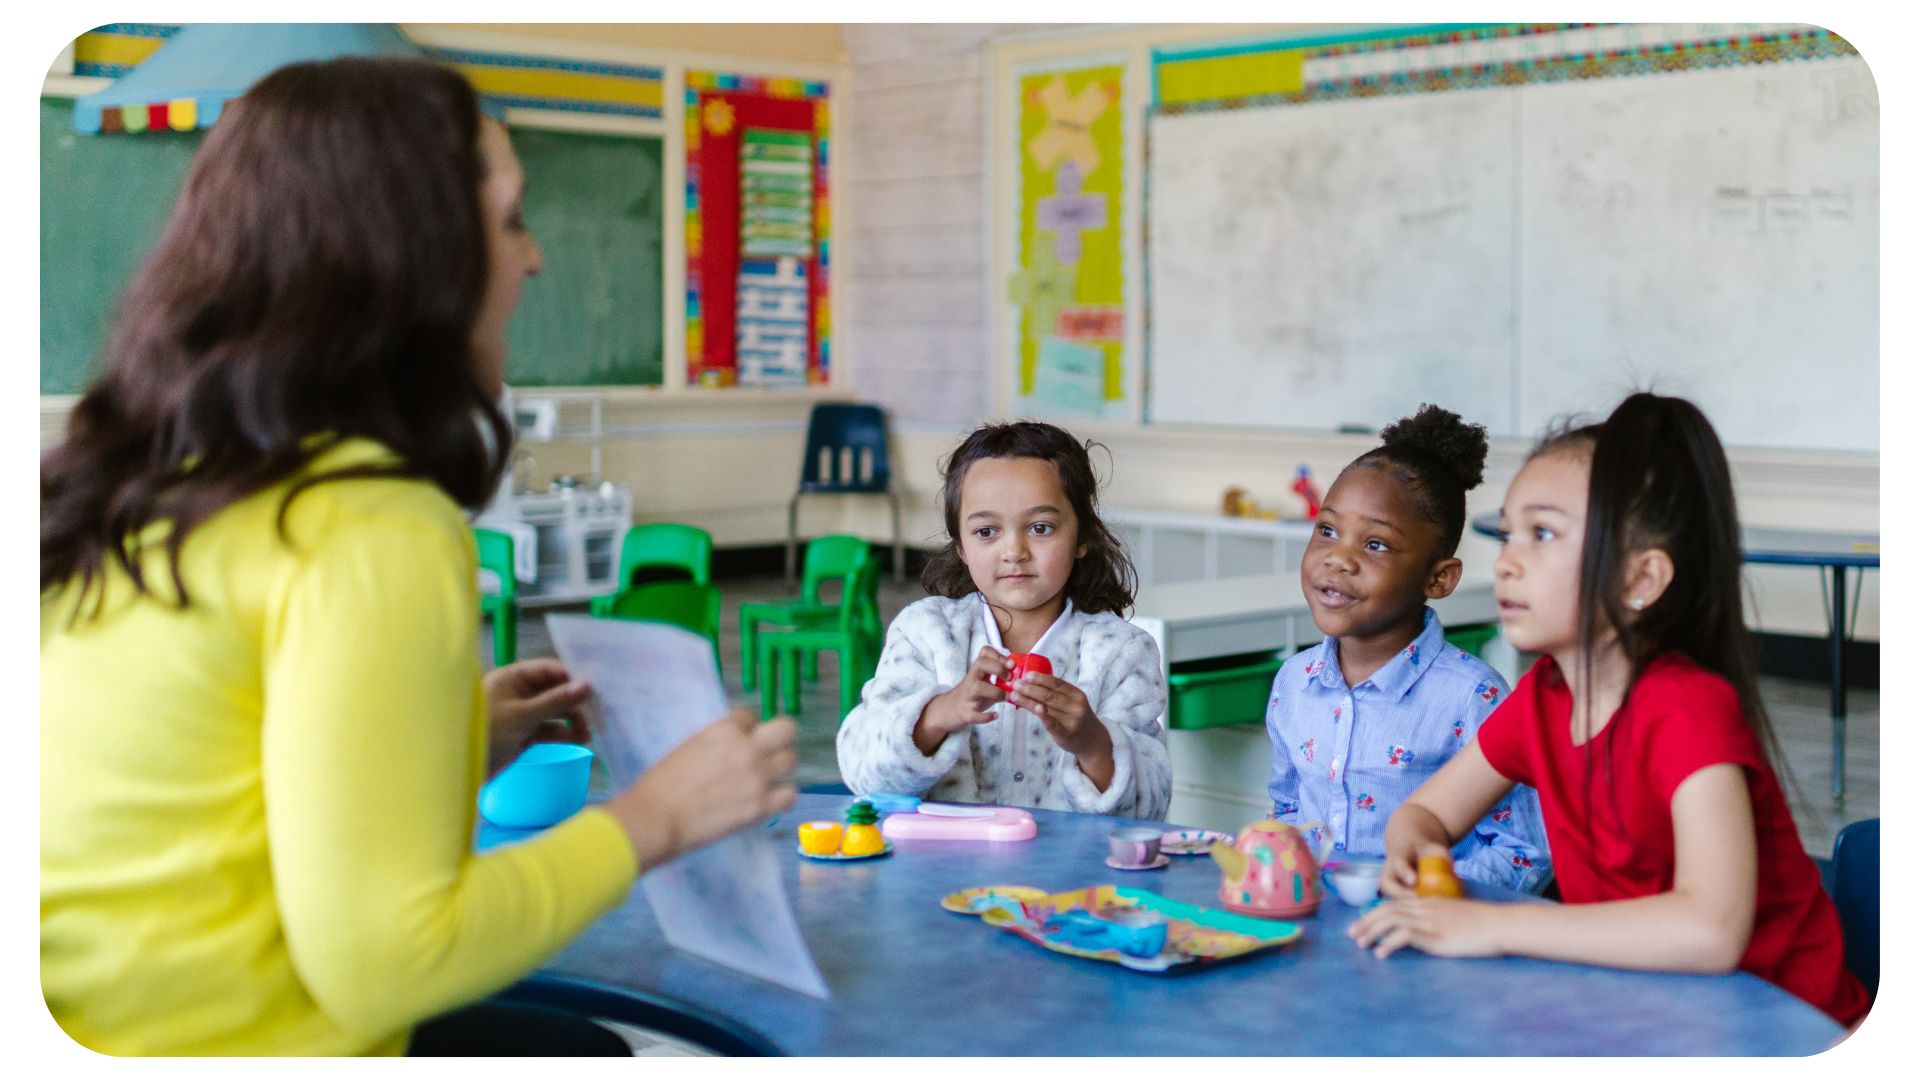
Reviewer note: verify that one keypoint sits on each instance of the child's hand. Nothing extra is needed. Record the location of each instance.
(1439, 927)
(1063, 708)
(1402, 871)
(971, 701)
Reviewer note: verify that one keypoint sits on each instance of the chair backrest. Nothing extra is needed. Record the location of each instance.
(496, 554)
(643, 1009)
(666, 543)
(1856, 894)
(860, 607)
(830, 558)
(846, 449)
(687, 604)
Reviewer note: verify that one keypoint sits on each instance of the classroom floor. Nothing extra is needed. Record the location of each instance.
(1798, 710)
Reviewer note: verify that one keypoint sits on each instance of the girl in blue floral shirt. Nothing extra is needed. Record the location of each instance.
(1361, 719)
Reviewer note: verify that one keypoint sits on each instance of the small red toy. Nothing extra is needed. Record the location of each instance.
(1303, 486)
(1024, 663)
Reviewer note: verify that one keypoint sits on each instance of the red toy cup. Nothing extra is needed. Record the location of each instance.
(1024, 663)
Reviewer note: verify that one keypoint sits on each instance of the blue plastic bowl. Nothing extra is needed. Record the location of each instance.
(545, 785)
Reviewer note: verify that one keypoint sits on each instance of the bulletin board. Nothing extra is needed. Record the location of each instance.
(1521, 222)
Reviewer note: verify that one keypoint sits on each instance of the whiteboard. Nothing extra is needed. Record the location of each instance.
(1523, 253)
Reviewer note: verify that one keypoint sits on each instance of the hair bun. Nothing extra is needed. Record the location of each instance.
(1444, 436)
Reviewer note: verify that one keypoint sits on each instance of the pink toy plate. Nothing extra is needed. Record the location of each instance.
(999, 823)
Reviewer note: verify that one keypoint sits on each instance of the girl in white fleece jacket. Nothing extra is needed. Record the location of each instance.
(1029, 567)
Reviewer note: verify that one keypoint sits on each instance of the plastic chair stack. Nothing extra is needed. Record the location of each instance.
(828, 559)
(501, 608)
(846, 455)
(660, 546)
(853, 633)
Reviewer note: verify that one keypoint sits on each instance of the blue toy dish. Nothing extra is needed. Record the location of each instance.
(545, 785)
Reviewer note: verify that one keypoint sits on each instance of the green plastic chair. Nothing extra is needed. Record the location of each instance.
(828, 558)
(853, 633)
(500, 608)
(661, 544)
(691, 605)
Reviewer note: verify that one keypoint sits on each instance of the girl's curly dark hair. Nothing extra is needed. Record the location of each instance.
(1102, 580)
(1440, 457)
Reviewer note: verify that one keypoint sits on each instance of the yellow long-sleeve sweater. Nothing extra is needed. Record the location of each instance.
(256, 813)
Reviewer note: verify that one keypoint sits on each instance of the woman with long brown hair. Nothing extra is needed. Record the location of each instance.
(263, 721)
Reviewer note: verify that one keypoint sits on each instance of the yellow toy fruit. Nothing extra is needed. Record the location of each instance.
(820, 837)
(1436, 877)
(862, 836)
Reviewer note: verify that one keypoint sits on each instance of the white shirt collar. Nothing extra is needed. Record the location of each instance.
(993, 628)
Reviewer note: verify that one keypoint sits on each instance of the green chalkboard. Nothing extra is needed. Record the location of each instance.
(592, 317)
(103, 200)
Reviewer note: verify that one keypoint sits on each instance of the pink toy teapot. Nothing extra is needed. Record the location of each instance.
(1269, 872)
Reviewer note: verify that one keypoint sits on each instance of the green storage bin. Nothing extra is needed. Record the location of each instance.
(1473, 637)
(1222, 690)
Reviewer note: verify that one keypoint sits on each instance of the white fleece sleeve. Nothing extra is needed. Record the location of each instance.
(875, 744)
(1130, 708)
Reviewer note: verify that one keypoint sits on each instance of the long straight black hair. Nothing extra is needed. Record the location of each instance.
(1658, 478)
(318, 279)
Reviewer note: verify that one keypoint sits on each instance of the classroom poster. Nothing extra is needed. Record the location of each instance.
(1067, 288)
(757, 188)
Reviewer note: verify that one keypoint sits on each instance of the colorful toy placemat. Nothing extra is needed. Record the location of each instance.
(1195, 936)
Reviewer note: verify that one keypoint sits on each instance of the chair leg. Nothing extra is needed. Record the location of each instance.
(505, 634)
(810, 665)
(749, 638)
(789, 679)
(850, 681)
(899, 552)
(769, 679)
(793, 535)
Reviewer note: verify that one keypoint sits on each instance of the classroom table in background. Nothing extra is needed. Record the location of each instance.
(909, 978)
(1836, 552)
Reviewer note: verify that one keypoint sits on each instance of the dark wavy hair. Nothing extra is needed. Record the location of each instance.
(1439, 457)
(1658, 478)
(318, 279)
(1101, 580)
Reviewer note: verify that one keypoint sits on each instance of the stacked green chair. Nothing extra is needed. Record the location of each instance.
(659, 545)
(828, 558)
(691, 605)
(853, 632)
(500, 608)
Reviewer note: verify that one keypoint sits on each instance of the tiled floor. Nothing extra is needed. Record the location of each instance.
(1798, 710)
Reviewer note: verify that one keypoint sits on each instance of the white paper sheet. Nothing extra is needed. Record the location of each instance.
(654, 685)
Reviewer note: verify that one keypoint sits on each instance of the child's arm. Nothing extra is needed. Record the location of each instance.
(1439, 812)
(1119, 749)
(1283, 780)
(875, 745)
(1701, 925)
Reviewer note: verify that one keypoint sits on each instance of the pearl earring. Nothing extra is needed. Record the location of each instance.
(1636, 603)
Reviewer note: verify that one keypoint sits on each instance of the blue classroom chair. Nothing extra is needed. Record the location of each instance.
(1856, 894)
(846, 455)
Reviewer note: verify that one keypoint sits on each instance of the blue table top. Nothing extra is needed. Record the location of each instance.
(909, 978)
(1788, 547)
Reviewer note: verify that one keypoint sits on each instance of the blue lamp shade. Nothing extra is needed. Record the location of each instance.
(187, 81)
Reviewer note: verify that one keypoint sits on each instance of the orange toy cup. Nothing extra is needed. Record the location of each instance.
(1435, 877)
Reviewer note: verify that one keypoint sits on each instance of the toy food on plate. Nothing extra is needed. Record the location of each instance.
(820, 837)
(862, 836)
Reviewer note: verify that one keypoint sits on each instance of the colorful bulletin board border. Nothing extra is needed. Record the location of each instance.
(514, 79)
(1253, 76)
(718, 108)
(1069, 278)
(112, 50)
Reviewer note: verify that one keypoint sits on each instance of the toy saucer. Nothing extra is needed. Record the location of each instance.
(1192, 841)
(1154, 865)
(978, 899)
(837, 857)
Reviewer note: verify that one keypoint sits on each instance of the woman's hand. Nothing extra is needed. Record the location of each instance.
(731, 774)
(1068, 717)
(531, 701)
(1437, 926)
(970, 702)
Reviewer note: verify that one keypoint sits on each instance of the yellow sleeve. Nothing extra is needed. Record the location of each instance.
(371, 758)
